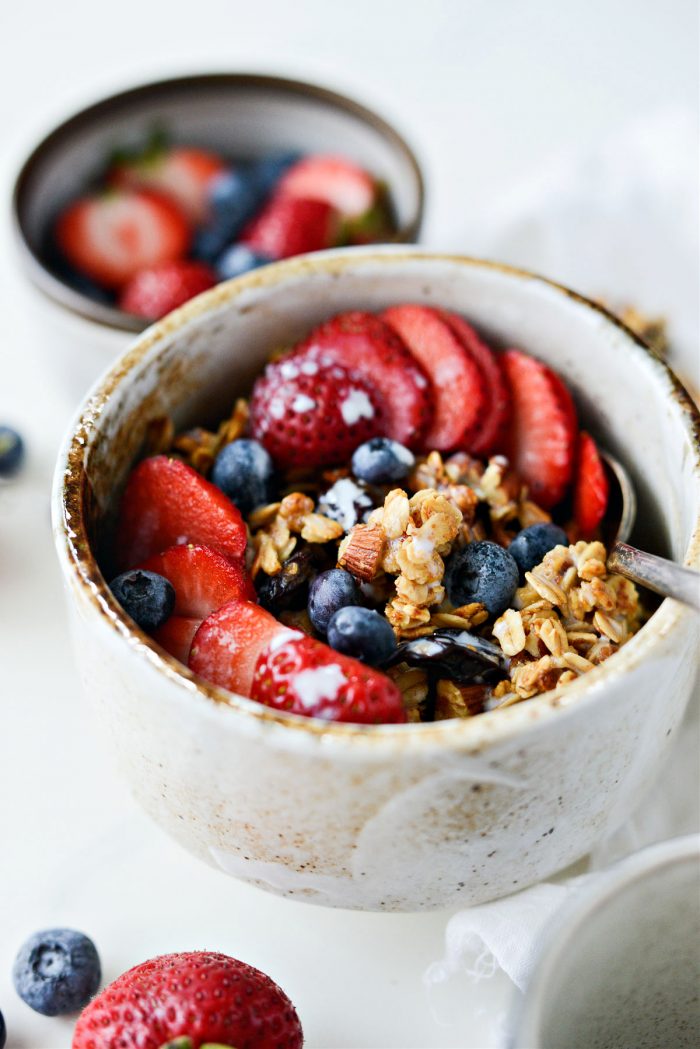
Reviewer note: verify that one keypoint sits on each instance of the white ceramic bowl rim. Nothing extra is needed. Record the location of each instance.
(110, 316)
(585, 902)
(471, 734)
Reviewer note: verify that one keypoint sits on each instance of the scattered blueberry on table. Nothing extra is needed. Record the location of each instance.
(57, 971)
(11, 451)
(3, 1032)
(147, 597)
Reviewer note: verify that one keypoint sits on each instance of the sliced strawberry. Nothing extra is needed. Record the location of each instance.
(304, 676)
(541, 439)
(155, 291)
(112, 236)
(345, 186)
(306, 415)
(487, 437)
(165, 503)
(591, 488)
(202, 578)
(226, 647)
(289, 226)
(176, 635)
(458, 387)
(363, 343)
(181, 173)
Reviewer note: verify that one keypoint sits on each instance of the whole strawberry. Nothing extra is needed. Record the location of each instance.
(192, 999)
(304, 676)
(309, 415)
(153, 292)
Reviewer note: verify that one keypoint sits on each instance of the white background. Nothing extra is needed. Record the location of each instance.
(490, 92)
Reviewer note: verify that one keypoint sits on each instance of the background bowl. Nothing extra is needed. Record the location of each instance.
(384, 817)
(620, 966)
(240, 114)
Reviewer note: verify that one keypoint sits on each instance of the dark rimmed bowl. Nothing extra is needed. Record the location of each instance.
(240, 114)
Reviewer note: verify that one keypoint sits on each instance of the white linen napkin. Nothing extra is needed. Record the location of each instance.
(621, 224)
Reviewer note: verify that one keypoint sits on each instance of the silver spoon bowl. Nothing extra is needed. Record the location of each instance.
(656, 573)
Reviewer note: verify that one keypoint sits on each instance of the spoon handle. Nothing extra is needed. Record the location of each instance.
(662, 576)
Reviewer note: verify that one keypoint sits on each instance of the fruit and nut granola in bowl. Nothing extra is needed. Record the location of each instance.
(336, 537)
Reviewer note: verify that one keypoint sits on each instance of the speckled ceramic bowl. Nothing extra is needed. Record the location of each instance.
(620, 966)
(240, 114)
(395, 817)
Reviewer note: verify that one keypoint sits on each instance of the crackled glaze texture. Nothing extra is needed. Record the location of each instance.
(390, 817)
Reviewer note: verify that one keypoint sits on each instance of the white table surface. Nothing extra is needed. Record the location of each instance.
(489, 92)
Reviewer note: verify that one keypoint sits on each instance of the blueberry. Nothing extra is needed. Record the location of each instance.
(382, 461)
(329, 592)
(11, 451)
(485, 572)
(57, 971)
(233, 200)
(529, 546)
(238, 259)
(267, 172)
(244, 471)
(3, 1032)
(363, 634)
(346, 502)
(289, 588)
(147, 597)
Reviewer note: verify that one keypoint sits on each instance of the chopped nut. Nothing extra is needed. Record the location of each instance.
(361, 552)
(453, 701)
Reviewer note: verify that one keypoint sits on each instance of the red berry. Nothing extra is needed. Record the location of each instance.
(176, 635)
(362, 342)
(591, 487)
(342, 184)
(309, 415)
(488, 435)
(166, 503)
(542, 437)
(181, 173)
(111, 237)
(227, 645)
(200, 995)
(458, 387)
(304, 676)
(153, 292)
(289, 226)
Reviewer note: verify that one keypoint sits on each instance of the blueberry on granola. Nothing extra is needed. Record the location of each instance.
(529, 546)
(147, 597)
(382, 461)
(363, 634)
(329, 592)
(243, 470)
(483, 572)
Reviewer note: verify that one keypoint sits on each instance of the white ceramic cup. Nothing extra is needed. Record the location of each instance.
(404, 817)
(620, 967)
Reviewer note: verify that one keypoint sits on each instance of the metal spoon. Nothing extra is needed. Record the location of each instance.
(656, 573)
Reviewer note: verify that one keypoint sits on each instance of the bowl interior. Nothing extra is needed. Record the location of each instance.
(240, 115)
(628, 973)
(194, 364)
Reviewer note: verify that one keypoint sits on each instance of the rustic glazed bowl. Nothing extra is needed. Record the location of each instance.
(403, 817)
(620, 966)
(239, 114)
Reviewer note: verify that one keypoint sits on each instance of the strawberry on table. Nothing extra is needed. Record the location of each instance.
(591, 487)
(153, 292)
(304, 676)
(226, 647)
(289, 226)
(190, 1000)
(543, 434)
(306, 415)
(111, 236)
(488, 435)
(364, 343)
(182, 173)
(167, 502)
(456, 379)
